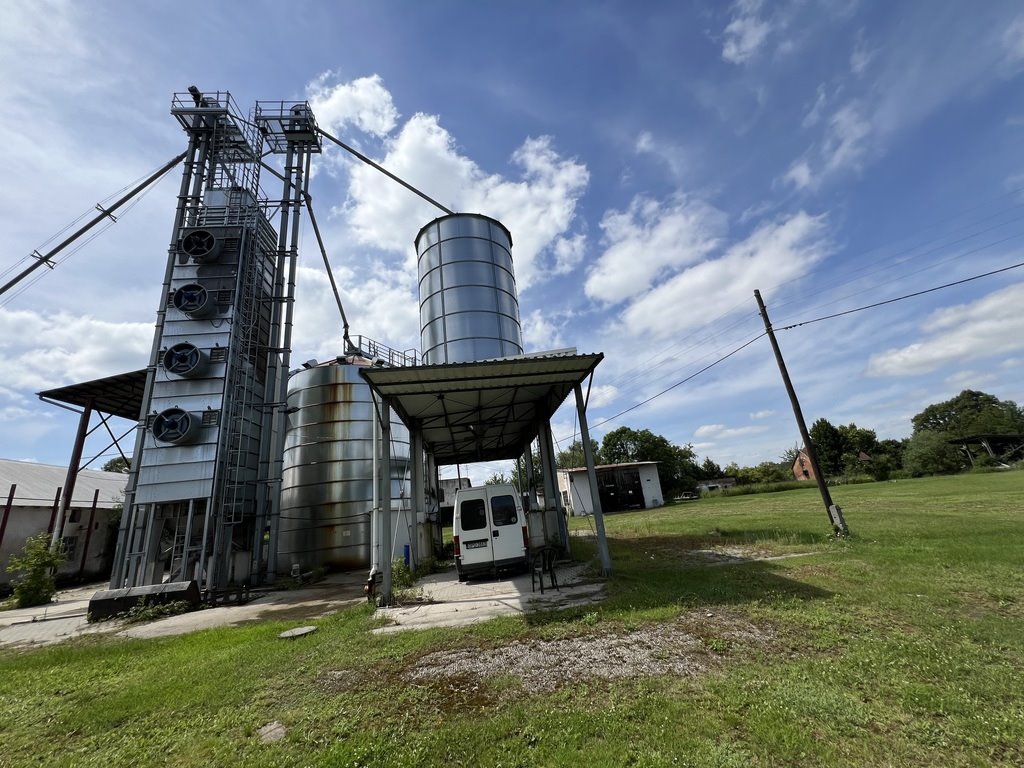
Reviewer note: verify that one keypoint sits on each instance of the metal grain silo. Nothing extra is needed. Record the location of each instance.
(469, 308)
(327, 488)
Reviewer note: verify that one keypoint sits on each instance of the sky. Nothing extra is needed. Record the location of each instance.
(655, 162)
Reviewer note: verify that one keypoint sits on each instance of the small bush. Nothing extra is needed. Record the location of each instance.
(401, 576)
(33, 572)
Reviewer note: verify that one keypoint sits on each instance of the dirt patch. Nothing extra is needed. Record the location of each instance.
(692, 644)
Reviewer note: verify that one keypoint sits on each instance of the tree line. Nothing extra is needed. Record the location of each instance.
(844, 451)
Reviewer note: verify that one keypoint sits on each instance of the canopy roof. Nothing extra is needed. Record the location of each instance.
(482, 411)
(118, 395)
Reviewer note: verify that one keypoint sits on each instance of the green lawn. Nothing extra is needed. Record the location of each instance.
(901, 646)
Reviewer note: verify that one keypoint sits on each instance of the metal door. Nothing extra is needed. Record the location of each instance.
(506, 529)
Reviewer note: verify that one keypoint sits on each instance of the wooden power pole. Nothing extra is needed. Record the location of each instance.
(835, 514)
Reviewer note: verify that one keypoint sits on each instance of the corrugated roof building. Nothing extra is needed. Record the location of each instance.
(28, 500)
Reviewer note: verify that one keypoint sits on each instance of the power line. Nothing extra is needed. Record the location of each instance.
(797, 325)
(901, 298)
(692, 376)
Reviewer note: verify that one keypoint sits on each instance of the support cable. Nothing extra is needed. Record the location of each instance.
(383, 170)
(330, 273)
(103, 215)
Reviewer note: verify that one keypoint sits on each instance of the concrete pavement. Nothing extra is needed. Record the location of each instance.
(445, 602)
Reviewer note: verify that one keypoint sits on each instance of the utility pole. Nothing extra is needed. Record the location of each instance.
(835, 514)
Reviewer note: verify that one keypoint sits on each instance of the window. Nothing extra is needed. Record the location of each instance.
(76, 516)
(473, 516)
(503, 510)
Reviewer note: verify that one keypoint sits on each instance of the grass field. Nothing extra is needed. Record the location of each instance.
(901, 646)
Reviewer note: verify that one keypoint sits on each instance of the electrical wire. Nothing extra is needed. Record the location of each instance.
(692, 376)
(901, 298)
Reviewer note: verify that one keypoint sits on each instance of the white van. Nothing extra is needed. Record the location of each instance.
(489, 531)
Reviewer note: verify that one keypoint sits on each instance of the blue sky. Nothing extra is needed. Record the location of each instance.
(655, 162)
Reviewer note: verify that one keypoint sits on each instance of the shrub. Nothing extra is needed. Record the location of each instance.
(33, 572)
(401, 576)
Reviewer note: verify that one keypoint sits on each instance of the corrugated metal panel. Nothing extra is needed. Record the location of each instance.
(481, 411)
(39, 482)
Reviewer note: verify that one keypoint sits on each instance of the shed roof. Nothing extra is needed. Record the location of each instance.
(623, 465)
(482, 411)
(119, 395)
(38, 483)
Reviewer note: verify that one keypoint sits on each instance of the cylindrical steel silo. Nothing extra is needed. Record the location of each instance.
(327, 481)
(469, 307)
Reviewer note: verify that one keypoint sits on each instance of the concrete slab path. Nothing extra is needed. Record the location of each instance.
(447, 602)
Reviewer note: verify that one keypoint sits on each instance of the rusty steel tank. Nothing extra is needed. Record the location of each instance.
(327, 481)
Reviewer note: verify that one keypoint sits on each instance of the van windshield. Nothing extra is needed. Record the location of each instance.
(473, 516)
(503, 509)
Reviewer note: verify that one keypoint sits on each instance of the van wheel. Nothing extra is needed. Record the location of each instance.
(462, 576)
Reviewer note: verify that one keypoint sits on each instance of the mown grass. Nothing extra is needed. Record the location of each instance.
(903, 645)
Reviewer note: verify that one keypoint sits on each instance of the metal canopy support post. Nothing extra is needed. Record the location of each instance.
(69, 482)
(7, 511)
(551, 498)
(384, 497)
(418, 495)
(88, 532)
(588, 456)
(835, 513)
(546, 479)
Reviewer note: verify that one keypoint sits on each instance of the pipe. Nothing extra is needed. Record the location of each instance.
(103, 214)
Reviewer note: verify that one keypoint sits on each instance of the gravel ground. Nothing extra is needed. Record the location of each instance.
(683, 647)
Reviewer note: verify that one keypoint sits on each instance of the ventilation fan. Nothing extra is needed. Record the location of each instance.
(184, 359)
(194, 300)
(202, 245)
(176, 426)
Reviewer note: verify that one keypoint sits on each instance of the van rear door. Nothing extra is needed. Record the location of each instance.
(508, 531)
(476, 533)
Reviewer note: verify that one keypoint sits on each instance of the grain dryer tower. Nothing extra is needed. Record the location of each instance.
(203, 492)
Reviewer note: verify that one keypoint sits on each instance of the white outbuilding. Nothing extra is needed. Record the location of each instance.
(29, 498)
(631, 485)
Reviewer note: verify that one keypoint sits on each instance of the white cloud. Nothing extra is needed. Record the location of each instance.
(993, 326)
(799, 175)
(649, 238)
(720, 431)
(708, 430)
(539, 333)
(670, 155)
(569, 252)
(817, 110)
(1013, 40)
(774, 254)
(364, 103)
(762, 414)
(970, 380)
(602, 395)
(40, 350)
(538, 209)
(846, 138)
(861, 56)
(934, 58)
(745, 33)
